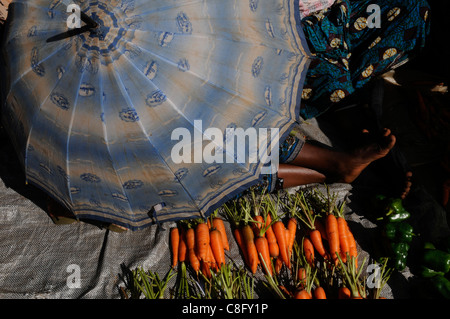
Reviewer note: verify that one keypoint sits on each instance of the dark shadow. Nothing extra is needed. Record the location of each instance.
(12, 175)
(11, 172)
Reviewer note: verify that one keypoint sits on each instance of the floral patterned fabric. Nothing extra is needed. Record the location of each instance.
(349, 52)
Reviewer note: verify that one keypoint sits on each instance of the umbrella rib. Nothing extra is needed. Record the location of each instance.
(71, 61)
(105, 135)
(33, 119)
(69, 132)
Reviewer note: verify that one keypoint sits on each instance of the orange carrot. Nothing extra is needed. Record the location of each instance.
(257, 225)
(280, 234)
(268, 221)
(333, 236)
(319, 293)
(285, 291)
(175, 243)
(292, 230)
(308, 250)
(287, 236)
(207, 264)
(216, 245)
(344, 293)
(355, 294)
(211, 259)
(316, 240)
(343, 238)
(190, 243)
(352, 245)
(219, 224)
(302, 294)
(262, 247)
(240, 241)
(190, 239)
(249, 243)
(193, 260)
(205, 268)
(202, 240)
(301, 274)
(274, 250)
(319, 226)
(278, 265)
(182, 248)
(287, 243)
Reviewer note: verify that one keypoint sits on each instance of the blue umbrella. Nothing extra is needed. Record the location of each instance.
(93, 109)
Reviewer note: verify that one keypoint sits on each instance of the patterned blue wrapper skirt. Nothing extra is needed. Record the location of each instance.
(348, 52)
(350, 49)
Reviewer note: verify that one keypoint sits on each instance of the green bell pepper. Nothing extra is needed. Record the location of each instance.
(396, 230)
(405, 232)
(437, 260)
(397, 216)
(426, 272)
(399, 252)
(400, 249)
(390, 231)
(399, 263)
(442, 285)
(393, 210)
(400, 232)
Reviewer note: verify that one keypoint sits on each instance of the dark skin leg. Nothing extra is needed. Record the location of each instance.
(295, 175)
(316, 164)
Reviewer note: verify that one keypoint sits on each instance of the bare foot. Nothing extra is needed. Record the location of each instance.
(352, 164)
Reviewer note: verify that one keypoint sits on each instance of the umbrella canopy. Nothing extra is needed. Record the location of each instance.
(92, 111)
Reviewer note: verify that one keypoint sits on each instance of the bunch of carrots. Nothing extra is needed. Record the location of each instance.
(263, 238)
(200, 244)
(324, 245)
(328, 234)
(301, 281)
(307, 285)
